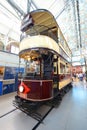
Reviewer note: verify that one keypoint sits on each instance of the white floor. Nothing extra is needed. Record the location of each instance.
(71, 114)
(6, 104)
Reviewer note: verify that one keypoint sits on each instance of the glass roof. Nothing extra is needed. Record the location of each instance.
(69, 14)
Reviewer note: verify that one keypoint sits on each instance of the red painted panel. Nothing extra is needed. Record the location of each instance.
(46, 90)
(39, 89)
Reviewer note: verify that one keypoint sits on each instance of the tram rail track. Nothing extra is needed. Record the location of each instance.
(36, 111)
(41, 120)
(8, 112)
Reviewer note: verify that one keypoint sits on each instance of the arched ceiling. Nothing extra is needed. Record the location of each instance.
(70, 15)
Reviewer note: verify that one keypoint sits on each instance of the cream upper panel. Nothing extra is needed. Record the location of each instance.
(39, 41)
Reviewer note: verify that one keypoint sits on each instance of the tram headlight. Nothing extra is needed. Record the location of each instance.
(21, 89)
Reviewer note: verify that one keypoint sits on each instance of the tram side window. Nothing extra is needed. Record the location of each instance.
(67, 69)
(54, 69)
(62, 68)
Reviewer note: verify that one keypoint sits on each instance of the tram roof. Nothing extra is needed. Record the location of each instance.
(43, 18)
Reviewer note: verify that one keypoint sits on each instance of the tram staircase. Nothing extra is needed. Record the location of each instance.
(47, 71)
(48, 66)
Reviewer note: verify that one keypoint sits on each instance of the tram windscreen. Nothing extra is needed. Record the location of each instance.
(32, 67)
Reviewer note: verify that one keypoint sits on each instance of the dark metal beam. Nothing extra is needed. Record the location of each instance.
(16, 7)
(34, 4)
(78, 15)
(63, 9)
(76, 29)
(5, 8)
(29, 2)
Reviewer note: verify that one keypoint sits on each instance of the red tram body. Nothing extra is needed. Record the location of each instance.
(47, 58)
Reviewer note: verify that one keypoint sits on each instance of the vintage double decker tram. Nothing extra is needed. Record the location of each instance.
(47, 58)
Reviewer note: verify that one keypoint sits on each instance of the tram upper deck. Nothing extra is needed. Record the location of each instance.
(40, 22)
(40, 30)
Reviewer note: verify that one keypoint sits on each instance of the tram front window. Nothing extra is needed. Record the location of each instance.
(32, 69)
